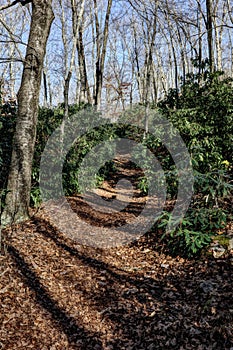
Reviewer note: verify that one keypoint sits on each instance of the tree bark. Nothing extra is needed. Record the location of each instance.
(84, 93)
(209, 27)
(45, 89)
(149, 64)
(19, 181)
(218, 24)
(101, 52)
(200, 69)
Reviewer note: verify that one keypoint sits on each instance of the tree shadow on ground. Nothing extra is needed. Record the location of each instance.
(172, 311)
(82, 207)
(66, 323)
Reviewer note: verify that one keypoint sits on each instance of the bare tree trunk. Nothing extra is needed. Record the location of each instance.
(174, 54)
(66, 94)
(155, 87)
(19, 181)
(199, 39)
(85, 95)
(230, 69)
(84, 92)
(209, 27)
(72, 60)
(182, 53)
(45, 89)
(136, 58)
(101, 51)
(149, 70)
(12, 74)
(218, 29)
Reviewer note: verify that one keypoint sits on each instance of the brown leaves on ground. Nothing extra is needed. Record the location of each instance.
(55, 294)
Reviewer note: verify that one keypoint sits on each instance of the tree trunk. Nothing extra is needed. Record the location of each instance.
(45, 89)
(218, 29)
(173, 50)
(101, 52)
(72, 59)
(200, 69)
(19, 181)
(209, 27)
(84, 94)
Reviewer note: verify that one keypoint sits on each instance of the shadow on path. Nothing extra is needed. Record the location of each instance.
(67, 323)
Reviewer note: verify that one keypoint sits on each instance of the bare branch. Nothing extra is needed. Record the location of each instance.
(22, 2)
(12, 35)
(10, 59)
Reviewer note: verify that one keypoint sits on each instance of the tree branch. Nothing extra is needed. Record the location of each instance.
(12, 35)
(22, 2)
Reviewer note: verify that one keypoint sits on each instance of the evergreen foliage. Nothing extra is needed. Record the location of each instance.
(202, 112)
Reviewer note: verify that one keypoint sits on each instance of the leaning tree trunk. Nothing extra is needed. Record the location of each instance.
(19, 181)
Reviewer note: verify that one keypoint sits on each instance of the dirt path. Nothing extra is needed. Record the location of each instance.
(58, 294)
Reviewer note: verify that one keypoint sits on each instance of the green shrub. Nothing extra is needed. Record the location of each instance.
(203, 114)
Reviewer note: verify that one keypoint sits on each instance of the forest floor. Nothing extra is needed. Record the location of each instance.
(57, 293)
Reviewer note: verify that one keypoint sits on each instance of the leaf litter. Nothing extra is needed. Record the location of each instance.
(57, 294)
